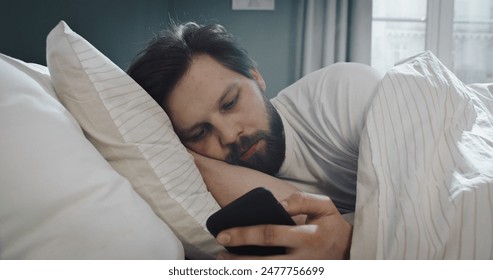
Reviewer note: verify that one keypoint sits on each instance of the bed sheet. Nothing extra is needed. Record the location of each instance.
(425, 178)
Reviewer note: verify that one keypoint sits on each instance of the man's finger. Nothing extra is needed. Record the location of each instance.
(263, 235)
(310, 204)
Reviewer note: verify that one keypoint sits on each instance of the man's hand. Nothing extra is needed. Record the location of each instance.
(326, 235)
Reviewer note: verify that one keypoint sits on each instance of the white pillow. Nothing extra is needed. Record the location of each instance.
(134, 134)
(59, 198)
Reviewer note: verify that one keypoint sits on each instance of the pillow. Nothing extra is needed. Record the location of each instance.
(59, 198)
(135, 136)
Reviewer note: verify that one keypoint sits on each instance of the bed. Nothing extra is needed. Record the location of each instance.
(82, 177)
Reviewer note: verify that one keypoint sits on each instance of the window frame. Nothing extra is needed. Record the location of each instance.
(440, 29)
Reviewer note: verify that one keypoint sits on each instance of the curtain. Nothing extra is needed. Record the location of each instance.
(331, 31)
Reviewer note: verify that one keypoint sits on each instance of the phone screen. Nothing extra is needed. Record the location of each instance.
(258, 206)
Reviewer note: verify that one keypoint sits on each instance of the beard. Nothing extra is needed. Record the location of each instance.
(269, 159)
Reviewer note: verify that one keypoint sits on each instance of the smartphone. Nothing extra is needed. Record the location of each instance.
(258, 206)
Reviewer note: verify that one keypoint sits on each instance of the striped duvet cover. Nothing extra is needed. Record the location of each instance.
(425, 178)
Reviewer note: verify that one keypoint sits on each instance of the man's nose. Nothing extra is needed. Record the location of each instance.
(228, 131)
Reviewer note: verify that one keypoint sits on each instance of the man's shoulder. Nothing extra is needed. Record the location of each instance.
(332, 77)
(346, 70)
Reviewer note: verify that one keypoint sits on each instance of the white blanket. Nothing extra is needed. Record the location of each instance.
(425, 178)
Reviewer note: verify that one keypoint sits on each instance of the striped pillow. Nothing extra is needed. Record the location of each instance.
(135, 136)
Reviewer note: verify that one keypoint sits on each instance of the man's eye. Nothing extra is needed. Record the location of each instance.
(199, 135)
(232, 103)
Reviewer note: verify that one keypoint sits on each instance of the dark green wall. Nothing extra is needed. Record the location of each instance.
(120, 28)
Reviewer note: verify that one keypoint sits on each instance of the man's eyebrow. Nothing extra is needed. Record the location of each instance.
(226, 91)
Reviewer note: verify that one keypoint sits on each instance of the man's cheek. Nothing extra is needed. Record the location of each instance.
(212, 150)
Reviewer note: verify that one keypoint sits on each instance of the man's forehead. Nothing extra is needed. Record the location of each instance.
(205, 78)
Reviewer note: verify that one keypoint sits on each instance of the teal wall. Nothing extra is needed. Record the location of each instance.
(116, 28)
(268, 36)
(120, 28)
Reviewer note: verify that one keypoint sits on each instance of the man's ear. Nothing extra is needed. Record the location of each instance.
(256, 75)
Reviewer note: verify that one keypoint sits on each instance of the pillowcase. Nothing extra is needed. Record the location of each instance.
(135, 136)
(59, 198)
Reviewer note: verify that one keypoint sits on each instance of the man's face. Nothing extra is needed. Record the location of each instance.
(224, 115)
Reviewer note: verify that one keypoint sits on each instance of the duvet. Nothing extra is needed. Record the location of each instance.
(425, 175)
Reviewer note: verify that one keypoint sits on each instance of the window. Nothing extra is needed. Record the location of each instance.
(459, 32)
(473, 40)
(398, 31)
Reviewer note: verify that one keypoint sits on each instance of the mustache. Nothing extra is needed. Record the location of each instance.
(244, 143)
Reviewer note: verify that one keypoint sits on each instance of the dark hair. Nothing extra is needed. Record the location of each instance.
(160, 66)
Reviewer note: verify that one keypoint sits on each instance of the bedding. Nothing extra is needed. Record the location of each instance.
(135, 136)
(425, 177)
(59, 198)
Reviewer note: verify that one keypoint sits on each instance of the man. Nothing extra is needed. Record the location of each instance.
(309, 134)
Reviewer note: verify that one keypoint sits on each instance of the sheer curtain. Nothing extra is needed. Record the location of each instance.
(333, 31)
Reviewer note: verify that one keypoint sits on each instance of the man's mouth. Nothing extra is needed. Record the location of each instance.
(250, 151)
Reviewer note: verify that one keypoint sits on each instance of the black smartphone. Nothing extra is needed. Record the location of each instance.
(258, 206)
